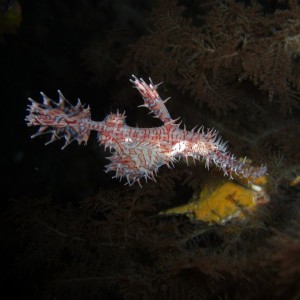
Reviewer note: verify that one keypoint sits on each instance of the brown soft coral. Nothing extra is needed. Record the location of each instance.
(234, 46)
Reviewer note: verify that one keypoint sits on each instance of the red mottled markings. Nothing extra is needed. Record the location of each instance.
(136, 152)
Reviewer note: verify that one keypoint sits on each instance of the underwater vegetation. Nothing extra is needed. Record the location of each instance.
(219, 57)
(116, 245)
(10, 16)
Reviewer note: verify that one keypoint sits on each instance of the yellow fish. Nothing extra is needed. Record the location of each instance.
(224, 202)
